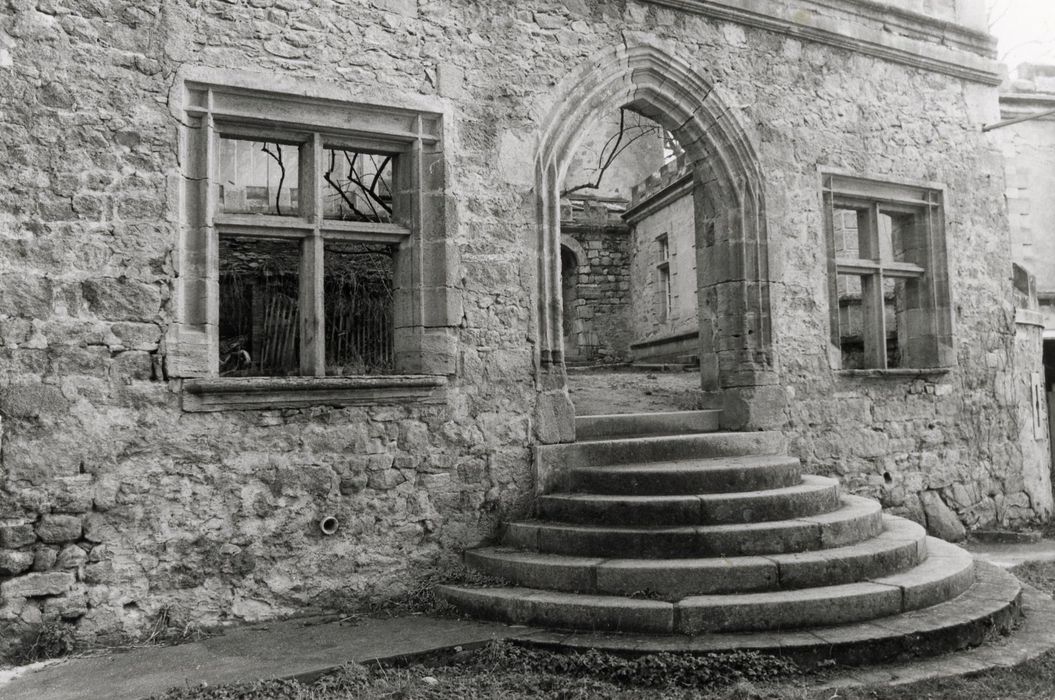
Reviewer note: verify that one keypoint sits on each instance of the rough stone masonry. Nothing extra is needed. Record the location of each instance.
(117, 506)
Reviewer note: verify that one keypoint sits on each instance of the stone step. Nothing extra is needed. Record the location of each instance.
(658, 449)
(640, 424)
(814, 495)
(991, 605)
(947, 573)
(900, 546)
(716, 475)
(858, 519)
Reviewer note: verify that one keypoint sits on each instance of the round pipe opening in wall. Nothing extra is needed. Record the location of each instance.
(329, 525)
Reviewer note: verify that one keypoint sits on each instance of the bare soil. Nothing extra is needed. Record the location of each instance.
(596, 392)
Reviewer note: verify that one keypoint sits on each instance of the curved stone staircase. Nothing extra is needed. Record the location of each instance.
(655, 532)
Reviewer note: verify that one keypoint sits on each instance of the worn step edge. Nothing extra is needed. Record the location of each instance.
(617, 425)
(746, 612)
(657, 448)
(568, 610)
(705, 475)
(858, 519)
(813, 496)
(947, 572)
(900, 546)
(992, 604)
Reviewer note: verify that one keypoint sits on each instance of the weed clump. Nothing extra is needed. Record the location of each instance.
(421, 599)
(170, 625)
(52, 640)
(658, 670)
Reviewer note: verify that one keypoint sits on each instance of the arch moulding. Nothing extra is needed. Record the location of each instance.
(738, 367)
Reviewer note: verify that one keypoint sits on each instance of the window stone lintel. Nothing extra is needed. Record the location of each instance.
(242, 393)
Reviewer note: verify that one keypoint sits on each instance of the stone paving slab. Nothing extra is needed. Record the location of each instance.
(1034, 636)
(1009, 555)
(300, 648)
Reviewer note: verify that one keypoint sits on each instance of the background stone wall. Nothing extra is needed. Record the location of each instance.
(117, 508)
(599, 323)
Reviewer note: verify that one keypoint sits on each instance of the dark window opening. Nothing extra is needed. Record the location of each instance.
(259, 327)
(358, 291)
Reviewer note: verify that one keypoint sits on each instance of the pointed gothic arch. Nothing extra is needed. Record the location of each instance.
(736, 339)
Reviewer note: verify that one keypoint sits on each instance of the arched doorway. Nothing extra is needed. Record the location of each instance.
(737, 365)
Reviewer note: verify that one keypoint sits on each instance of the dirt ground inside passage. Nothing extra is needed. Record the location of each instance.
(601, 392)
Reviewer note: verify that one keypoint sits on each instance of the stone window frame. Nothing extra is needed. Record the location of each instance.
(929, 327)
(663, 276)
(424, 305)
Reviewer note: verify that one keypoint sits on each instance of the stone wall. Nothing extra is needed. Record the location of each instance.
(148, 510)
(598, 321)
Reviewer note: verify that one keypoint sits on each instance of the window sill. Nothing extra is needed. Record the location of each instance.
(902, 373)
(246, 393)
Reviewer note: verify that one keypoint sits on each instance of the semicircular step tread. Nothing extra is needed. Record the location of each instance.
(814, 495)
(946, 573)
(747, 612)
(662, 448)
(858, 519)
(992, 603)
(686, 477)
(900, 546)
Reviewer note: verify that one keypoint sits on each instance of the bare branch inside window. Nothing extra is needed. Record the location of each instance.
(258, 177)
(358, 185)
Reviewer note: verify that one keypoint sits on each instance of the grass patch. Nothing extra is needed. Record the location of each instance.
(503, 670)
(1039, 574)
